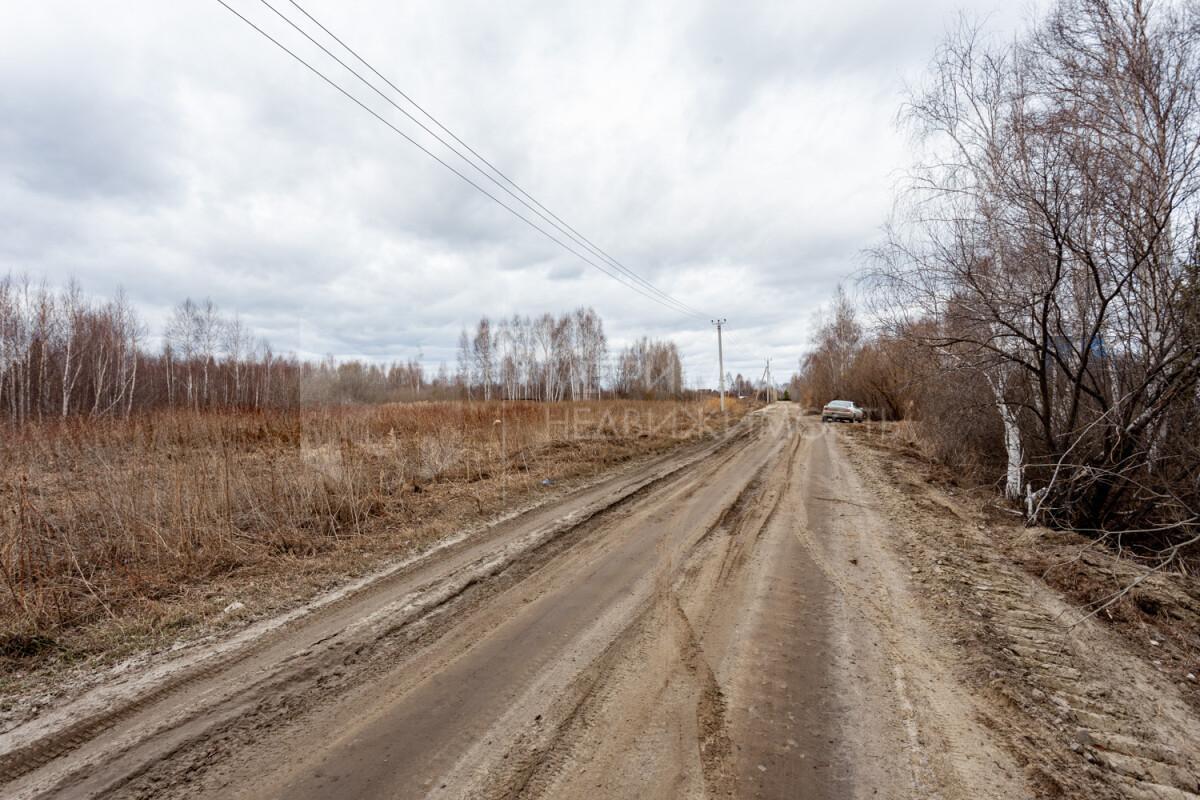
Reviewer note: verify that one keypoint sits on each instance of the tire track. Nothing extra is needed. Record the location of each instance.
(325, 655)
(659, 662)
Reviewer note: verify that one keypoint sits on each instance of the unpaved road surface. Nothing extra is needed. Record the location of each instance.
(737, 619)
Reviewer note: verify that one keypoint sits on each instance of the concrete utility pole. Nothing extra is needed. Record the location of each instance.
(721, 358)
(768, 389)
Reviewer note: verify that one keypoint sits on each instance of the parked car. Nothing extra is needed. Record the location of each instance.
(842, 411)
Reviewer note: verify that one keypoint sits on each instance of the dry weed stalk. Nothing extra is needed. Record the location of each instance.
(103, 517)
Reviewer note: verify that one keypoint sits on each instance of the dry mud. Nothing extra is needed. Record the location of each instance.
(763, 616)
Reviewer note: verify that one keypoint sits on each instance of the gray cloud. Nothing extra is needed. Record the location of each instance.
(739, 156)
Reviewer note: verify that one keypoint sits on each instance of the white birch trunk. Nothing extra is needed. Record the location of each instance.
(1014, 452)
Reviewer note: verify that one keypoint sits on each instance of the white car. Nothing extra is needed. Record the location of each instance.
(842, 411)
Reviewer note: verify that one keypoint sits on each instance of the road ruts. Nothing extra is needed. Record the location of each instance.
(706, 626)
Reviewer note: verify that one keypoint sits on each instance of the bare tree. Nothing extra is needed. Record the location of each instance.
(650, 369)
(463, 376)
(182, 341)
(1047, 245)
(483, 352)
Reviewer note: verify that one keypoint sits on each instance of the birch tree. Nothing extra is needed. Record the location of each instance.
(1047, 236)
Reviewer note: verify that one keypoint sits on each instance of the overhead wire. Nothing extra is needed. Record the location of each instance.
(562, 225)
(662, 298)
(434, 156)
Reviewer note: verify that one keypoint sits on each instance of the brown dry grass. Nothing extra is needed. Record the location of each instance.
(115, 535)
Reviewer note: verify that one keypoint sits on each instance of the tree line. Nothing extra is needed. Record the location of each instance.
(63, 354)
(565, 357)
(1038, 289)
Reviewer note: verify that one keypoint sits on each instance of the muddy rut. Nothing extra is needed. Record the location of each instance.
(727, 621)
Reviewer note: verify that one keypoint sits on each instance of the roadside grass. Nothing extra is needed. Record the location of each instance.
(118, 536)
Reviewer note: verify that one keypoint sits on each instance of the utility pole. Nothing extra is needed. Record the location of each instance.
(768, 389)
(721, 358)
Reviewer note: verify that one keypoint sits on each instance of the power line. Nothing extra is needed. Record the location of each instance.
(669, 302)
(553, 218)
(435, 157)
(567, 231)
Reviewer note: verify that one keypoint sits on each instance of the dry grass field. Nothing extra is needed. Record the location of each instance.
(117, 536)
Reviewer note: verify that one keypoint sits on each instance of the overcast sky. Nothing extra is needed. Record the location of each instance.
(737, 155)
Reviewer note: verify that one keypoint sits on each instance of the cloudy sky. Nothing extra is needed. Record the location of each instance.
(737, 155)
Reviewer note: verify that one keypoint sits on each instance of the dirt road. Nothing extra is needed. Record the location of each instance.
(730, 621)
